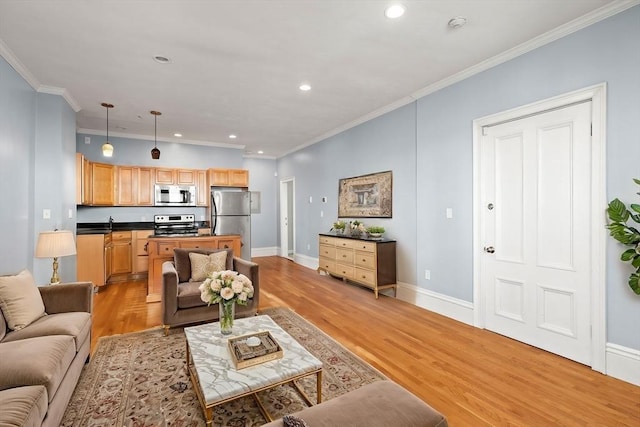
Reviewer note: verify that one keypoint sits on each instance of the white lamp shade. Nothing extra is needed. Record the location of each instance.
(107, 149)
(53, 244)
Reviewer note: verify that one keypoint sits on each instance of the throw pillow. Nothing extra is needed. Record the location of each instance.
(203, 265)
(292, 421)
(20, 300)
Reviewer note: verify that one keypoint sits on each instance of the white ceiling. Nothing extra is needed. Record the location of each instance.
(237, 64)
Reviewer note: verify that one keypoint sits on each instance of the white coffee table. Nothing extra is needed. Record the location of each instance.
(215, 378)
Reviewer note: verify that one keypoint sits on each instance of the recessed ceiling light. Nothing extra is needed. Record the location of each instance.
(232, 136)
(394, 11)
(304, 87)
(161, 59)
(178, 135)
(457, 22)
(260, 152)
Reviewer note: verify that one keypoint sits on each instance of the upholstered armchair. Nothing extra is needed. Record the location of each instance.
(181, 302)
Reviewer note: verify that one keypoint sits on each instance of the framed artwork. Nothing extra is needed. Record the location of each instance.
(366, 196)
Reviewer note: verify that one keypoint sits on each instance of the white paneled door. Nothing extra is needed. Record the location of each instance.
(536, 207)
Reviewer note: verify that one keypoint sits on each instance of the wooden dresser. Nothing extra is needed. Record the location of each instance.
(368, 262)
(160, 249)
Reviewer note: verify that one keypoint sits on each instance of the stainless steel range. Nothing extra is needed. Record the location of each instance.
(183, 225)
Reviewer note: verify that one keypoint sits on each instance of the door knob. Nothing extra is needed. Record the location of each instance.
(489, 249)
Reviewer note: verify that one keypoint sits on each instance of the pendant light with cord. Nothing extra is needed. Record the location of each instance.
(107, 148)
(155, 152)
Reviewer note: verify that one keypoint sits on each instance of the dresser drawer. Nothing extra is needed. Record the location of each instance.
(365, 246)
(345, 243)
(344, 270)
(365, 259)
(344, 255)
(326, 264)
(328, 240)
(367, 277)
(327, 251)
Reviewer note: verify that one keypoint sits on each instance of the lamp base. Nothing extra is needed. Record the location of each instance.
(55, 279)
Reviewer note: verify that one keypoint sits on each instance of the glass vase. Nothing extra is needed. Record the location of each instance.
(227, 313)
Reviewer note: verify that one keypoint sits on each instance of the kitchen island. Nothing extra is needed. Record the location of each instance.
(160, 249)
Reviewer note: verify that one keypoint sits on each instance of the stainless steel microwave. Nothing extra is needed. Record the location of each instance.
(175, 195)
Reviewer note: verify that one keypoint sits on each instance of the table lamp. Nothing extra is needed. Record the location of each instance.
(54, 244)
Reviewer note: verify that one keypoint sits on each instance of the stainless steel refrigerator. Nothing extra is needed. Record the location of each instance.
(231, 214)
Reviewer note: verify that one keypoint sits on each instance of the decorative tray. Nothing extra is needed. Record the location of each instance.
(264, 349)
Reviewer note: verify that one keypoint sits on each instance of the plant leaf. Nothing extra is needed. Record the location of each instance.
(636, 180)
(634, 282)
(617, 211)
(635, 207)
(636, 261)
(628, 255)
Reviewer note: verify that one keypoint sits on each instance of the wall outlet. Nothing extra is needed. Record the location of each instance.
(427, 274)
(70, 213)
(46, 213)
(324, 200)
(321, 214)
(449, 213)
(308, 247)
(310, 199)
(87, 140)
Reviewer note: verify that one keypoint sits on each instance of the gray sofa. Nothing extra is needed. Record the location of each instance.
(41, 363)
(382, 403)
(181, 303)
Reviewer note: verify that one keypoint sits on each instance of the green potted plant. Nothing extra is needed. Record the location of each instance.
(375, 231)
(339, 226)
(627, 234)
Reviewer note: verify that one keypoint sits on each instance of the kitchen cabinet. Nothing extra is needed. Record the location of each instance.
(140, 256)
(175, 176)
(371, 263)
(102, 184)
(83, 180)
(202, 188)
(229, 177)
(134, 186)
(91, 259)
(121, 252)
(161, 250)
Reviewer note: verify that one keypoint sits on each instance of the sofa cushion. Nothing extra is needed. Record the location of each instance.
(203, 265)
(3, 326)
(77, 324)
(382, 403)
(36, 361)
(20, 300)
(183, 263)
(23, 406)
(189, 295)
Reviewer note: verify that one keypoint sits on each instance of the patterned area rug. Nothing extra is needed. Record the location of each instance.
(140, 379)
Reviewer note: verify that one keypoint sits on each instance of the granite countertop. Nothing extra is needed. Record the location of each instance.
(363, 236)
(104, 228)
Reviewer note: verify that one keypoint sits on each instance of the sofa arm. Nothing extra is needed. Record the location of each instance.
(251, 270)
(169, 300)
(67, 297)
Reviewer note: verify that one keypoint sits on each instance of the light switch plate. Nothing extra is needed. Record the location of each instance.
(449, 213)
(46, 213)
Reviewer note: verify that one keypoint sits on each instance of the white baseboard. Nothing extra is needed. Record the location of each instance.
(306, 261)
(258, 252)
(623, 363)
(453, 308)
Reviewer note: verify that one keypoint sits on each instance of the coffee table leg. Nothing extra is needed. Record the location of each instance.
(319, 386)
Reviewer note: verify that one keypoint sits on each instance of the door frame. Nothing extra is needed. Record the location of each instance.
(284, 209)
(597, 94)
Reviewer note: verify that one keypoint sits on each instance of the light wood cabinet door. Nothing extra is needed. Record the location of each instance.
(121, 252)
(229, 177)
(140, 254)
(90, 258)
(146, 180)
(165, 176)
(186, 176)
(102, 184)
(126, 186)
(202, 188)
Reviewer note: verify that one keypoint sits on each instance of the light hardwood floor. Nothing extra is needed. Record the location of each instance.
(473, 376)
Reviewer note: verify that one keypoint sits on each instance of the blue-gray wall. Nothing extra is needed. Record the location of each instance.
(37, 160)
(428, 146)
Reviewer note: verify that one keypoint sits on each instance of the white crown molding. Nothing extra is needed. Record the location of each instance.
(20, 68)
(150, 138)
(259, 156)
(13, 60)
(584, 21)
(53, 90)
